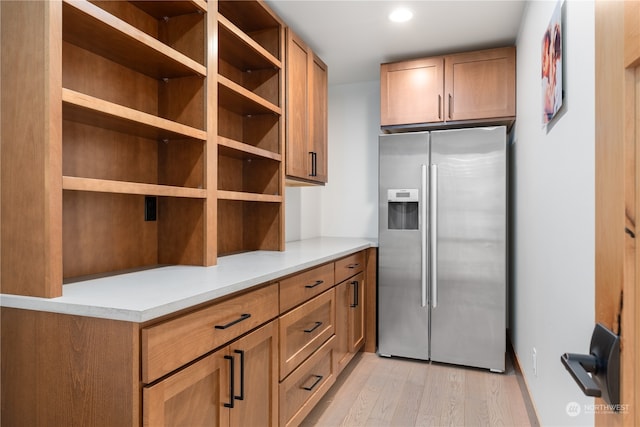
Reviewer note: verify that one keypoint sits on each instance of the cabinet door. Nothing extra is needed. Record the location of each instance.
(297, 155)
(356, 312)
(318, 115)
(411, 92)
(194, 396)
(341, 351)
(256, 378)
(480, 85)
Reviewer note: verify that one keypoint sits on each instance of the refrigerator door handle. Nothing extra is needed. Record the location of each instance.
(433, 225)
(423, 237)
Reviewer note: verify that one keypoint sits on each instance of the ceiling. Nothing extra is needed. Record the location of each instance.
(353, 37)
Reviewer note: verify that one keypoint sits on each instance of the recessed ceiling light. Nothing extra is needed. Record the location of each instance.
(401, 14)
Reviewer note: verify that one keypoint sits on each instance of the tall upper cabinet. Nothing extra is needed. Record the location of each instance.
(250, 127)
(306, 158)
(452, 90)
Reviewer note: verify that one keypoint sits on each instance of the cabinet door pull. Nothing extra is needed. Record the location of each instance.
(315, 383)
(439, 107)
(355, 294)
(316, 283)
(231, 377)
(450, 103)
(240, 319)
(353, 266)
(314, 163)
(241, 353)
(316, 326)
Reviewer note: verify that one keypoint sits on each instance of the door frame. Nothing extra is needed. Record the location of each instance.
(617, 191)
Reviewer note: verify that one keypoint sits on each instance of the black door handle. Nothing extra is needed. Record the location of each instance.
(313, 328)
(602, 362)
(241, 396)
(355, 294)
(231, 377)
(316, 283)
(233, 322)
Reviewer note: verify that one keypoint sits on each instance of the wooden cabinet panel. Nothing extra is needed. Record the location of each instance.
(256, 358)
(349, 266)
(201, 394)
(304, 329)
(480, 85)
(350, 319)
(297, 155)
(297, 289)
(318, 140)
(194, 396)
(171, 344)
(302, 390)
(411, 91)
(307, 97)
(470, 88)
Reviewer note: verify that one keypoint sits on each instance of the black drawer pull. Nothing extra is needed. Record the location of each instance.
(316, 283)
(315, 383)
(242, 317)
(316, 326)
(231, 376)
(241, 353)
(352, 266)
(355, 294)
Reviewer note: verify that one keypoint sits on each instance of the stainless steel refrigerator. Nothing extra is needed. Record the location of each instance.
(442, 246)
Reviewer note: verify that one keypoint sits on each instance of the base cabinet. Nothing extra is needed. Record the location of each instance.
(234, 386)
(350, 318)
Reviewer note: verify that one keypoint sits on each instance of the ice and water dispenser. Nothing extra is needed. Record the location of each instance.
(403, 209)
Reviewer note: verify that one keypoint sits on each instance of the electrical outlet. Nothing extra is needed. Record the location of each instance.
(534, 361)
(150, 208)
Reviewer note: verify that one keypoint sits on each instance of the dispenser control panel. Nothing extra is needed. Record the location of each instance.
(402, 195)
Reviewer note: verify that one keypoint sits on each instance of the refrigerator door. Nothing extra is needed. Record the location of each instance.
(468, 322)
(403, 312)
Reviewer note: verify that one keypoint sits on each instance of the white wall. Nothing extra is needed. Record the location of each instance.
(347, 205)
(553, 251)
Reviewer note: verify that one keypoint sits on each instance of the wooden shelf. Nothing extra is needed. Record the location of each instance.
(235, 98)
(237, 149)
(248, 197)
(240, 50)
(249, 16)
(165, 8)
(121, 187)
(87, 109)
(91, 28)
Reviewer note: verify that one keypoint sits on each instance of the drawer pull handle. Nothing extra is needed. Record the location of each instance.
(231, 375)
(355, 294)
(241, 353)
(352, 266)
(242, 317)
(315, 383)
(316, 326)
(316, 283)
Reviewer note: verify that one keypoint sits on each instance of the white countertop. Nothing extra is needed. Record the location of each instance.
(145, 295)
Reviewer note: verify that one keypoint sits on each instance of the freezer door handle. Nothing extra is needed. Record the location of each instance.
(433, 225)
(423, 237)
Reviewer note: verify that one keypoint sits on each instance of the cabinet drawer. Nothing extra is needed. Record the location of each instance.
(171, 344)
(304, 329)
(348, 266)
(304, 286)
(302, 390)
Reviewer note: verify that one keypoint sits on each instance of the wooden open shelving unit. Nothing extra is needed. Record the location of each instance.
(250, 128)
(117, 105)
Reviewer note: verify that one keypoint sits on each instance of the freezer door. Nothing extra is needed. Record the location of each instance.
(403, 315)
(468, 322)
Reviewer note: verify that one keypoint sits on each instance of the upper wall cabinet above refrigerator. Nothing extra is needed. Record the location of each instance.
(471, 88)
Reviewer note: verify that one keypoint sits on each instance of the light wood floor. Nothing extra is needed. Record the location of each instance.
(400, 393)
